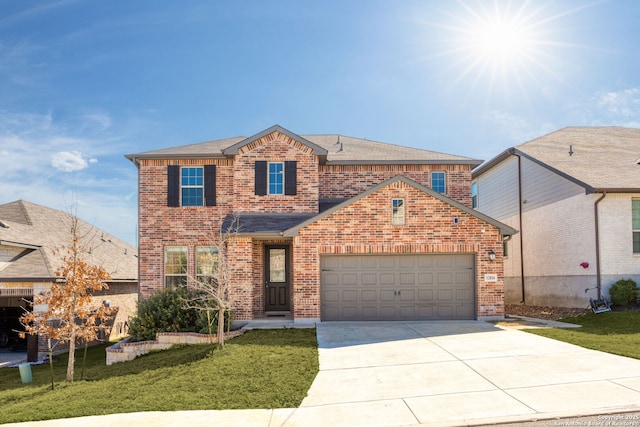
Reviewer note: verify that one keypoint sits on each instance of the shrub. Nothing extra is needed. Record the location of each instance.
(164, 312)
(624, 292)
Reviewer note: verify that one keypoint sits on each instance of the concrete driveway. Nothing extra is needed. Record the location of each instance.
(459, 373)
(379, 374)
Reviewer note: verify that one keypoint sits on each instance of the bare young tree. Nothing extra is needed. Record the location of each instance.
(213, 284)
(70, 315)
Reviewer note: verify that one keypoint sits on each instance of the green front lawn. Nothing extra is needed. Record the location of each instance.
(613, 332)
(270, 368)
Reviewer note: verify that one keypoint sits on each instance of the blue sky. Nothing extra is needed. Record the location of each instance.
(82, 83)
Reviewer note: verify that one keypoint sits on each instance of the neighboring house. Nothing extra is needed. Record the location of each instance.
(574, 196)
(328, 227)
(29, 234)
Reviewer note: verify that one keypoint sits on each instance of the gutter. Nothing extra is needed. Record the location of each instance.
(597, 227)
(522, 281)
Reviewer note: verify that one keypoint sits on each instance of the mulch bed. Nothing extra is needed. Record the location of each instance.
(547, 313)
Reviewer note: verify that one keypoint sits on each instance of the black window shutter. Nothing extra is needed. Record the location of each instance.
(210, 185)
(261, 177)
(173, 186)
(290, 177)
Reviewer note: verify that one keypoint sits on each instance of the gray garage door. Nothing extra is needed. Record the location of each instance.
(398, 287)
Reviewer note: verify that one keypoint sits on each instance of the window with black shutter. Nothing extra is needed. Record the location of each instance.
(210, 185)
(191, 186)
(276, 178)
(261, 178)
(173, 186)
(290, 177)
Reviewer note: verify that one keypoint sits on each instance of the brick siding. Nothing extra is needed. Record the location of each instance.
(363, 227)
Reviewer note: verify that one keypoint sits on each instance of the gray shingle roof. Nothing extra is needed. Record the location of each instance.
(604, 158)
(262, 223)
(340, 150)
(39, 230)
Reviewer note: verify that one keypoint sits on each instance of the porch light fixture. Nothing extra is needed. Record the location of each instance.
(492, 255)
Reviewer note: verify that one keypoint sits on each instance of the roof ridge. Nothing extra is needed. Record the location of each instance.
(22, 205)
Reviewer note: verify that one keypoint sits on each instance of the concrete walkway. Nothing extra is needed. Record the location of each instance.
(431, 373)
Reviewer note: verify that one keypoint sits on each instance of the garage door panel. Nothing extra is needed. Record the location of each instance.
(349, 296)
(367, 263)
(387, 295)
(369, 279)
(330, 278)
(369, 295)
(445, 312)
(368, 313)
(407, 278)
(444, 278)
(407, 295)
(331, 296)
(387, 279)
(387, 262)
(398, 287)
(425, 295)
(444, 296)
(425, 278)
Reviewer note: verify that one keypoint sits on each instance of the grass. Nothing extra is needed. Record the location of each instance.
(260, 369)
(612, 332)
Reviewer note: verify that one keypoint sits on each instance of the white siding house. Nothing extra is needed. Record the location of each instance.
(570, 194)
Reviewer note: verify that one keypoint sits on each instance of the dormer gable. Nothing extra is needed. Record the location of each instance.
(246, 143)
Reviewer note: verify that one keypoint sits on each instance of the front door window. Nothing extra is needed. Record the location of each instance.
(277, 278)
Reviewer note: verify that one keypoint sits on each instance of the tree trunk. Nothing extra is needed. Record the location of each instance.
(221, 311)
(72, 357)
(50, 349)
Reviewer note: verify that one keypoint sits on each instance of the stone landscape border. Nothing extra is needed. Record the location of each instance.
(125, 351)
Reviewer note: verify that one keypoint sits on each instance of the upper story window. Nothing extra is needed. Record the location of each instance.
(397, 212)
(635, 215)
(192, 186)
(474, 195)
(438, 182)
(276, 178)
(175, 266)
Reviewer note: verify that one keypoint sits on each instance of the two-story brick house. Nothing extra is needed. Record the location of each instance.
(327, 227)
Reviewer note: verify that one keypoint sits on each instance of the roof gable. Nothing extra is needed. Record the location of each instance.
(596, 158)
(504, 229)
(232, 150)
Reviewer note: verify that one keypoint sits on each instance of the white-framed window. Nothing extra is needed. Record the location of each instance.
(474, 195)
(635, 218)
(192, 186)
(438, 182)
(206, 263)
(276, 178)
(397, 212)
(175, 266)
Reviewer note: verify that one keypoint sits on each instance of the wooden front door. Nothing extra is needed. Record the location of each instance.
(277, 278)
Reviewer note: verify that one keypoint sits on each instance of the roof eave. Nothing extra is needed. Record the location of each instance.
(493, 162)
(19, 245)
(404, 162)
(135, 158)
(615, 190)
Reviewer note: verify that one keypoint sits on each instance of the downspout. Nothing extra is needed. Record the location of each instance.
(598, 278)
(520, 225)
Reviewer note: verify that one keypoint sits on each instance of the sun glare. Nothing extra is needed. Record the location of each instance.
(500, 41)
(501, 45)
